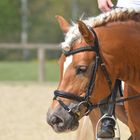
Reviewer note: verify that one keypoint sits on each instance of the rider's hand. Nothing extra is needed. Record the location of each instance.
(105, 5)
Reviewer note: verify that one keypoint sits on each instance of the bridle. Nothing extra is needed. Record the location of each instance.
(84, 101)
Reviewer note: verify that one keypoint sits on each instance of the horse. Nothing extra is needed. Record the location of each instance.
(117, 35)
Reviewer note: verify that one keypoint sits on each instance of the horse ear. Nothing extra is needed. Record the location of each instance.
(64, 25)
(86, 33)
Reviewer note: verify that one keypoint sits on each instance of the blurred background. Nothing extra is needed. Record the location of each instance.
(30, 34)
(29, 72)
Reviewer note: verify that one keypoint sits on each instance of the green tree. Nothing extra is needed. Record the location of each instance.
(9, 21)
(43, 27)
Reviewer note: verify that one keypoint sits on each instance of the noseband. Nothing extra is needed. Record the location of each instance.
(84, 101)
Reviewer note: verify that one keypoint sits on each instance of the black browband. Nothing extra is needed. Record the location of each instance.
(82, 49)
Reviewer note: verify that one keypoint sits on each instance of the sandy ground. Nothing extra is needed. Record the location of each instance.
(23, 110)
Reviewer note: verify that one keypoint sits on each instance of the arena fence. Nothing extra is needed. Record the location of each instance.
(41, 48)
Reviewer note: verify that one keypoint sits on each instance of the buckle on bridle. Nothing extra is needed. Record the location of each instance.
(80, 109)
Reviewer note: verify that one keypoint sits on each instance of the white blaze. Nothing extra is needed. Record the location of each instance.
(67, 62)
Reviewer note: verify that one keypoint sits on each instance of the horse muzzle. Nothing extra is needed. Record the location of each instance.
(61, 121)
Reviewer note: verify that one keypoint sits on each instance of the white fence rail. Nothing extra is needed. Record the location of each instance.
(40, 52)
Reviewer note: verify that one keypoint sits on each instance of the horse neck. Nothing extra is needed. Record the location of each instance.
(120, 49)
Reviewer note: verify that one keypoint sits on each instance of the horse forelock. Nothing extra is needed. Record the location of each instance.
(72, 35)
(117, 14)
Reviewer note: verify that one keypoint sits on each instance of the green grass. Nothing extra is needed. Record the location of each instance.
(27, 71)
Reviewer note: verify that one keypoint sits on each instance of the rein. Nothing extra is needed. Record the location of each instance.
(120, 100)
(85, 100)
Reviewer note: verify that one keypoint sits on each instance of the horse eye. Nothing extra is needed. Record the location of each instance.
(81, 69)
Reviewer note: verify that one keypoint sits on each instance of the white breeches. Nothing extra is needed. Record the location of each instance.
(129, 4)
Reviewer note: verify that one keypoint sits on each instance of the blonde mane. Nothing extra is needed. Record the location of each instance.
(118, 14)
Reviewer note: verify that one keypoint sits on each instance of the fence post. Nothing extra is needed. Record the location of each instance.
(41, 68)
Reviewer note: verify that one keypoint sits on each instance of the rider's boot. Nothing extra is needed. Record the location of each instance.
(107, 129)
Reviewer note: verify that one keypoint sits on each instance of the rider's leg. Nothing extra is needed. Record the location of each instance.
(107, 123)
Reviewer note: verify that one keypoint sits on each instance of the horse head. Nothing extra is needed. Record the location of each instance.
(81, 74)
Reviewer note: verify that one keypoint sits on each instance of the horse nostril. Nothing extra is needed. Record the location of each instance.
(56, 120)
